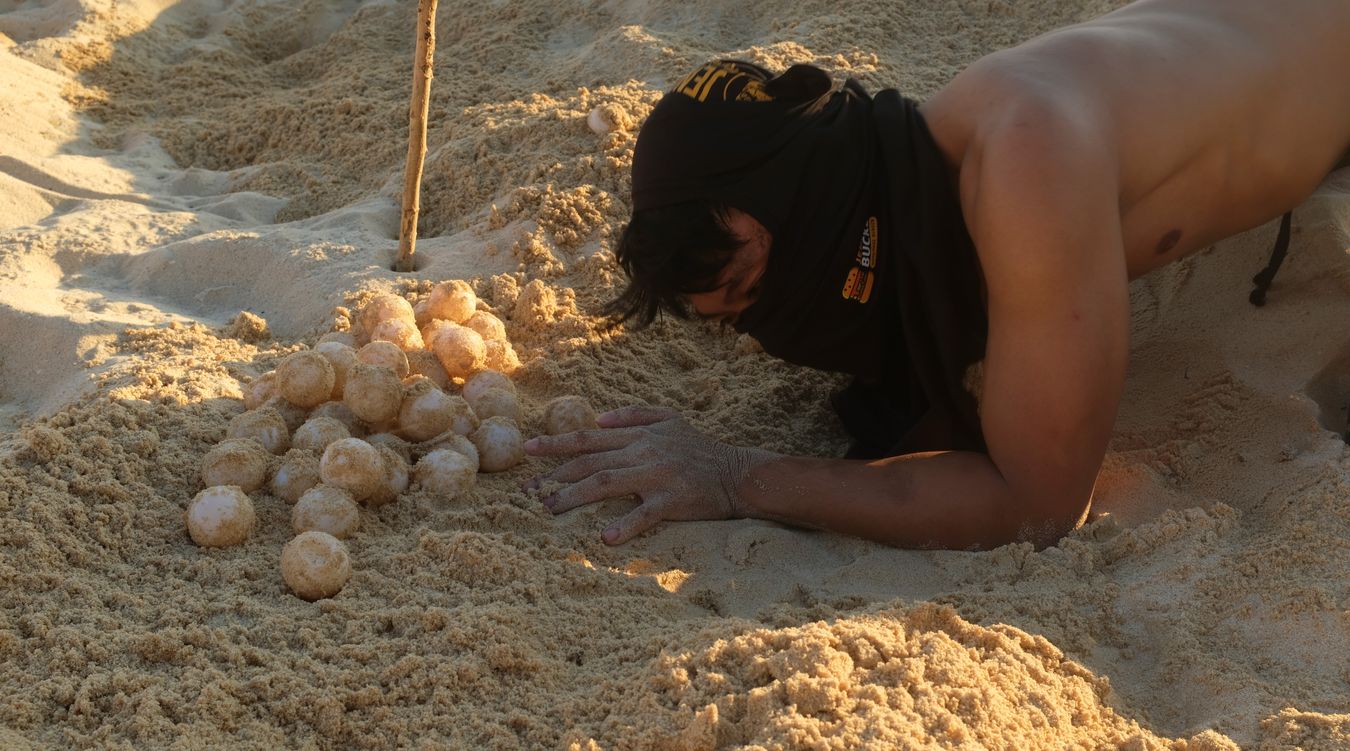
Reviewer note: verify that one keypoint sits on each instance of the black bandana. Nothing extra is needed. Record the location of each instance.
(870, 272)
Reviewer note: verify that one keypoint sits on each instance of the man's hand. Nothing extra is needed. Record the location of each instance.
(675, 471)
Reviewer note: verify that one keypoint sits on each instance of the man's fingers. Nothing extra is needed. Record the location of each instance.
(632, 524)
(584, 466)
(603, 485)
(630, 417)
(580, 442)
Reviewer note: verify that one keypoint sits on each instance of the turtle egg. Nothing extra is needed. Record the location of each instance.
(461, 351)
(568, 414)
(318, 432)
(496, 403)
(452, 301)
(386, 355)
(342, 358)
(236, 461)
(499, 443)
(292, 415)
(374, 393)
(343, 414)
(299, 471)
(353, 465)
(326, 509)
(384, 307)
(339, 337)
(394, 479)
(426, 412)
(305, 379)
(398, 332)
(315, 565)
(484, 380)
(500, 356)
(488, 326)
(260, 389)
(220, 516)
(424, 363)
(455, 442)
(446, 472)
(264, 425)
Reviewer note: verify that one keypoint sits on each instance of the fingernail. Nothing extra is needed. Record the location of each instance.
(610, 534)
(532, 444)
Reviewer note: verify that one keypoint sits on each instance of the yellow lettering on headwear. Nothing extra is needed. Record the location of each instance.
(699, 84)
(712, 79)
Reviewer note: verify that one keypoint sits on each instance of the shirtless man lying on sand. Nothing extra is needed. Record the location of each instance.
(844, 234)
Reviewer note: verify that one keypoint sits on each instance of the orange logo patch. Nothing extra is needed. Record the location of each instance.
(858, 285)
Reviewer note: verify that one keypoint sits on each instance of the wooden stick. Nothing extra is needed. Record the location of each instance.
(417, 132)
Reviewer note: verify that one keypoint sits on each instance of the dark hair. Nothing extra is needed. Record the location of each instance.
(667, 253)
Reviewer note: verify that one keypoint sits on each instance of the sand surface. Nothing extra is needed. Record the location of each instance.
(164, 166)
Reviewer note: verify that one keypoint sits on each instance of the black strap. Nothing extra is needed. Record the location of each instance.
(1266, 277)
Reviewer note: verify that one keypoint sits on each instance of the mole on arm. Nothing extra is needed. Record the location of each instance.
(1169, 241)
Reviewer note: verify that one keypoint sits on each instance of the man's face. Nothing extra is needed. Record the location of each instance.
(738, 284)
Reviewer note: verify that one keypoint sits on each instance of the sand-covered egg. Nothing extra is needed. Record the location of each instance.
(220, 516)
(298, 472)
(446, 472)
(342, 358)
(488, 326)
(318, 432)
(392, 442)
(452, 301)
(353, 465)
(236, 461)
(568, 414)
(426, 412)
(326, 509)
(264, 425)
(338, 337)
(496, 402)
(484, 380)
(315, 565)
(499, 355)
(398, 332)
(432, 330)
(385, 354)
(260, 389)
(455, 442)
(293, 416)
(425, 364)
(384, 307)
(461, 351)
(395, 479)
(374, 393)
(343, 414)
(499, 443)
(305, 378)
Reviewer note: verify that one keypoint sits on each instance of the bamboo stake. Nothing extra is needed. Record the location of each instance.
(417, 132)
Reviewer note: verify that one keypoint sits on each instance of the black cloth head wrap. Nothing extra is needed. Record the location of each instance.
(871, 271)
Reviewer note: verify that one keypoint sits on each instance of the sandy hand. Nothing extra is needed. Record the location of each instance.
(678, 473)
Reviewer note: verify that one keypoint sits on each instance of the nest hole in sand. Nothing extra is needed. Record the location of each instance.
(1330, 388)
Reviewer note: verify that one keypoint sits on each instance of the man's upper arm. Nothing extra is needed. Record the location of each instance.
(1046, 224)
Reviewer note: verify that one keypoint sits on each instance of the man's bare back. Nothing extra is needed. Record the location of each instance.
(1220, 115)
(1084, 158)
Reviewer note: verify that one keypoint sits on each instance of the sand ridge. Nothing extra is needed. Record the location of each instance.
(170, 165)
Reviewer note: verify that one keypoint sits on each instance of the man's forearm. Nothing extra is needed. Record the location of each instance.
(952, 499)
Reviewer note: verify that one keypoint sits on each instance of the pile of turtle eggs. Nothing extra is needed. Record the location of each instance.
(407, 396)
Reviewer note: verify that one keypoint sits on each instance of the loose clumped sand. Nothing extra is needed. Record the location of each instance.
(191, 192)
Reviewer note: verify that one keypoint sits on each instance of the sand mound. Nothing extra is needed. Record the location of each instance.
(166, 166)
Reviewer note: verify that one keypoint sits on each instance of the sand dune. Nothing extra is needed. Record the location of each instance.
(164, 166)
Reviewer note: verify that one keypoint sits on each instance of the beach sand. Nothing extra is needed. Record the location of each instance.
(165, 166)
